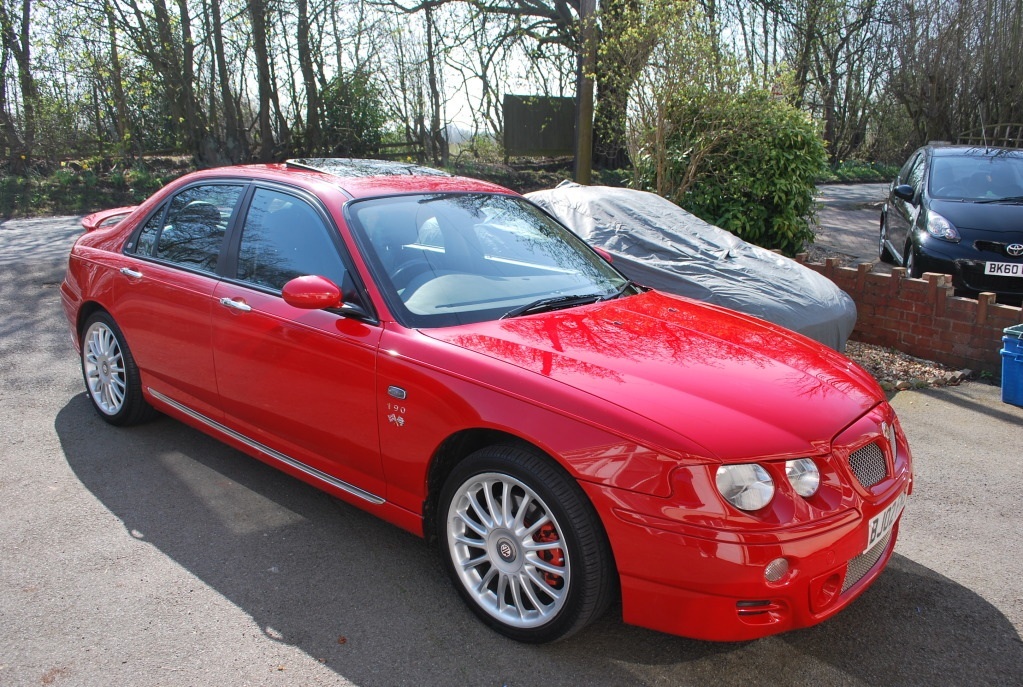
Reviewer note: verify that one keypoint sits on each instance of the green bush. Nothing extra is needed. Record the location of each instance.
(746, 162)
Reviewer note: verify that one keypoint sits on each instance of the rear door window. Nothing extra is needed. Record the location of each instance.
(193, 231)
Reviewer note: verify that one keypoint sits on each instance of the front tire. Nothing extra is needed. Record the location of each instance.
(913, 268)
(523, 545)
(112, 380)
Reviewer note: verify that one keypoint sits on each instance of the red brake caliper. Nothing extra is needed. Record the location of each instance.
(544, 535)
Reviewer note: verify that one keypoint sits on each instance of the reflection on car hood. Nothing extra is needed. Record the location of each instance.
(721, 380)
(997, 217)
(658, 244)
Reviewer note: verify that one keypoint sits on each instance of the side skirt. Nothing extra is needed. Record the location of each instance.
(318, 475)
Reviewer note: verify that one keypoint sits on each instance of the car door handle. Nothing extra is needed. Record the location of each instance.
(129, 272)
(235, 305)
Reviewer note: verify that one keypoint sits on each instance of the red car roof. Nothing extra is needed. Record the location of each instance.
(364, 178)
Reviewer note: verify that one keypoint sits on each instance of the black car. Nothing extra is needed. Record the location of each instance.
(958, 210)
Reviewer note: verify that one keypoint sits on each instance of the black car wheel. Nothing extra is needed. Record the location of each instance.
(111, 377)
(523, 545)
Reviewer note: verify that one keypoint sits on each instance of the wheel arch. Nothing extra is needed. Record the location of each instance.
(85, 311)
(454, 450)
(464, 443)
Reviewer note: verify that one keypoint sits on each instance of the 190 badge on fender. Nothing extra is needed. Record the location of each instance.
(882, 523)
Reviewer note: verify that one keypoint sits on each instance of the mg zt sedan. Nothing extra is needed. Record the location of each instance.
(442, 353)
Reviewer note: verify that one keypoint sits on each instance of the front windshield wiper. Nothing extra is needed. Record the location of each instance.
(1007, 199)
(553, 303)
(621, 292)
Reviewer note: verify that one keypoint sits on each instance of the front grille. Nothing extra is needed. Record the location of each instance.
(974, 279)
(869, 465)
(861, 565)
(992, 247)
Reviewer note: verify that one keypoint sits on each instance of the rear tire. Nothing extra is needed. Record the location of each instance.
(112, 380)
(523, 545)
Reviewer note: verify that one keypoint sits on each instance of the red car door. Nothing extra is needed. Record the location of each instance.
(299, 382)
(165, 294)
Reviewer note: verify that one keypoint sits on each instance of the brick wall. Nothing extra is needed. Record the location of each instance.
(922, 317)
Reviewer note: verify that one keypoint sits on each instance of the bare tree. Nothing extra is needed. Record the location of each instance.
(15, 40)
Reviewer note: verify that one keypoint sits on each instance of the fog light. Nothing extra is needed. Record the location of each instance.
(776, 569)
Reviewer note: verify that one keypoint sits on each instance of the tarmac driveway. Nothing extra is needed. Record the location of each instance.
(848, 222)
(157, 556)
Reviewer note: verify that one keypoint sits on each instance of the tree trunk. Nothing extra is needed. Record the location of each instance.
(169, 67)
(194, 121)
(11, 139)
(17, 43)
(235, 146)
(121, 123)
(438, 145)
(313, 138)
(257, 13)
(615, 76)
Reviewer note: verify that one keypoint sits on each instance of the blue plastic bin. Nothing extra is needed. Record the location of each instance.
(1012, 365)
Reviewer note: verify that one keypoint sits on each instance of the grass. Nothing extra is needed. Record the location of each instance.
(857, 171)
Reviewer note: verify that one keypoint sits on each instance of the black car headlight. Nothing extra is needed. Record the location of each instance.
(941, 228)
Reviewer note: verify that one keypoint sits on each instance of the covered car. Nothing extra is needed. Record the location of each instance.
(660, 245)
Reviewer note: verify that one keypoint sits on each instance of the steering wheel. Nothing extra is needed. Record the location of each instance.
(404, 273)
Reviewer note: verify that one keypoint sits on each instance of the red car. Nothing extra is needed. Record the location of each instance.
(442, 353)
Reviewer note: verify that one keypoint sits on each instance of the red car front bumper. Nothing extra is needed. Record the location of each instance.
(712, 586)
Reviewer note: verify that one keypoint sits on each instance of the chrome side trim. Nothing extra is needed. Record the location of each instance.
(276, 455)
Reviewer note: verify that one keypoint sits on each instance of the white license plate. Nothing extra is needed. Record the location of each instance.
(882, 523)
(1004, 269)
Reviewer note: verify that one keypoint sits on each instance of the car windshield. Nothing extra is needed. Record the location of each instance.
(447, 259)
(977, 177)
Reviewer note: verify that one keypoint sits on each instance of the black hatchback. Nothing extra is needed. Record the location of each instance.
(958, 210)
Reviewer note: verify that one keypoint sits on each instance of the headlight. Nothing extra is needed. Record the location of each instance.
(941, 228)
(747, 486)
(803, 475)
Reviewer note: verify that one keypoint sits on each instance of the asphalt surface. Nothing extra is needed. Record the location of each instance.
(848, 218)
(157, 556)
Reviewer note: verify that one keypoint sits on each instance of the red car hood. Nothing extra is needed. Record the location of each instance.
(738, 386)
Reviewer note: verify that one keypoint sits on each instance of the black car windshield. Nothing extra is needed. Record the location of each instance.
(447, 259)
(977, 177)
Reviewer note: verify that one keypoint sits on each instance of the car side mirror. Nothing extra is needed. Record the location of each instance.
(312, 293)
(604, 254)
(904, 192)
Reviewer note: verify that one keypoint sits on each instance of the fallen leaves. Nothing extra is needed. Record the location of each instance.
(896, 370)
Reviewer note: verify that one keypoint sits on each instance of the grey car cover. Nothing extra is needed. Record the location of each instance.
(658, 244)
